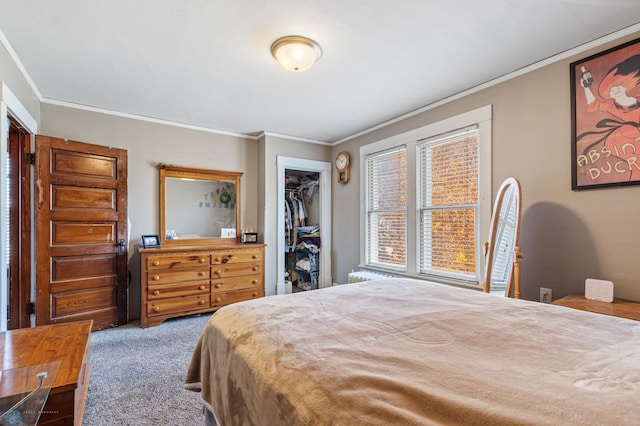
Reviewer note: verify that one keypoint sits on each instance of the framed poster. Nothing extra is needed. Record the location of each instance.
(605, 121)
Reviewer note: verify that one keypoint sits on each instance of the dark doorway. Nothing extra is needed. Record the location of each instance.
(19, 308)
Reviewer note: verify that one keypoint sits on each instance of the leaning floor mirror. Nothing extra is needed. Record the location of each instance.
(502, 252)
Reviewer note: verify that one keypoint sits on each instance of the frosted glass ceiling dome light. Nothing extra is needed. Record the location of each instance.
(296, 53)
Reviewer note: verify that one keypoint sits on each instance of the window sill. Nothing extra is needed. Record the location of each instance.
(433, 278)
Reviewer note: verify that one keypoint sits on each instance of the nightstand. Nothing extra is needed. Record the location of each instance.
(617, 308)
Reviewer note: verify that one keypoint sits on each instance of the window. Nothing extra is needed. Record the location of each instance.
(427, 197)
(387, 209)
(448, 204)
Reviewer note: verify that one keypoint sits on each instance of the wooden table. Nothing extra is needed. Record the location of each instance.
(65, 342)
(617, 308)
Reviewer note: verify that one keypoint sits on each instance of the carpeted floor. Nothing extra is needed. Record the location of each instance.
(138, 374)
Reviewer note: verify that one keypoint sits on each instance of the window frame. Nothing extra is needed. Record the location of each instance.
(422, 207)
(397, 268)
(482, 117)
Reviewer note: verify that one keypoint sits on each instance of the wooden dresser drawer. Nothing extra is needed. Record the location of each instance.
(221, 299)
(183, 304)
(238, 283)
(177, 261)
(192, 288)
(235, 269)
(238, 256)
(171, 276)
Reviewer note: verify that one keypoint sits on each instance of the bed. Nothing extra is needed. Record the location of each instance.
(401, 351)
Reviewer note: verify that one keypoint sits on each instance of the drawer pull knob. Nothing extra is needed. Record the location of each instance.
(217, 259)
(218, 272)
(218, 285)
(254, 282)
(218, 299)
(255, 268)
(255, 256)
(201, 260)
(157, 292)
(202, 287)
(156, 263)
(254, 294)
(201, 302)
(201, 273)
(156, 277)
(156, 309)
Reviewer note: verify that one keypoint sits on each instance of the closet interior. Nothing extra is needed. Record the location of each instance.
(302, 230)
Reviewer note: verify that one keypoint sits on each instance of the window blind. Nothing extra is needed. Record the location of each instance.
(8, 212)
(448, 205)
(387, 209)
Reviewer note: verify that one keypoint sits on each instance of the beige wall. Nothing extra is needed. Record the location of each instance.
(566, 236)
(271, 148)
(148, 144)
(11, 76)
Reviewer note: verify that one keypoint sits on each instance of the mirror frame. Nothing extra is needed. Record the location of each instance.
(513, 283)
(198, 174)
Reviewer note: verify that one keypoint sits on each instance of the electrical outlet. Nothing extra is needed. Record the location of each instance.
(545, 295)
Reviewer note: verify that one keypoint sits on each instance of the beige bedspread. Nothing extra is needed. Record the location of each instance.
(398, 351)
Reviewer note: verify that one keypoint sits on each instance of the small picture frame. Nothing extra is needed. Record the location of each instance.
(150, 241)
(228, 233)
(249, 237)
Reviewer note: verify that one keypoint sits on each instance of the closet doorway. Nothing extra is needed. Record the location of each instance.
(308, 180)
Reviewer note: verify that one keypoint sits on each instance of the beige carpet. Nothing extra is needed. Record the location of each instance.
(138, 375)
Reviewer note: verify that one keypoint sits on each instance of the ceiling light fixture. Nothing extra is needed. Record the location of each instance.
(296, 53)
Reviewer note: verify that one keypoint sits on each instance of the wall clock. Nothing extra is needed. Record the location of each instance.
(342, 164)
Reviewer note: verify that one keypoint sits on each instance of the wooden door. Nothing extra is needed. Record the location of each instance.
(81, 219)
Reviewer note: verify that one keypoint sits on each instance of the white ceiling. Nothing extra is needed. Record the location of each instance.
(206, 63)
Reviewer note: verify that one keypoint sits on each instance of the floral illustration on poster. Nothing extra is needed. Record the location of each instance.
(605, 101)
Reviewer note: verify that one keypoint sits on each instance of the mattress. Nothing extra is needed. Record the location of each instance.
(411, 352)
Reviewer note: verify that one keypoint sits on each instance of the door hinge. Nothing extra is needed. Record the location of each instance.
(31, 308)
(31, 158)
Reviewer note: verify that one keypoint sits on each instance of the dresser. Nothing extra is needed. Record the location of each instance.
(185, 280)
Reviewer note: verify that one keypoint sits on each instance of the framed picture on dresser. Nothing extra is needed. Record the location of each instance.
(149, 241)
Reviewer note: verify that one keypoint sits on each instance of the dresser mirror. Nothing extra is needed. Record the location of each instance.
(198, 206)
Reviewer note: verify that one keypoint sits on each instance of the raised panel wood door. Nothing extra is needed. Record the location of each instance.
(81, 219)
